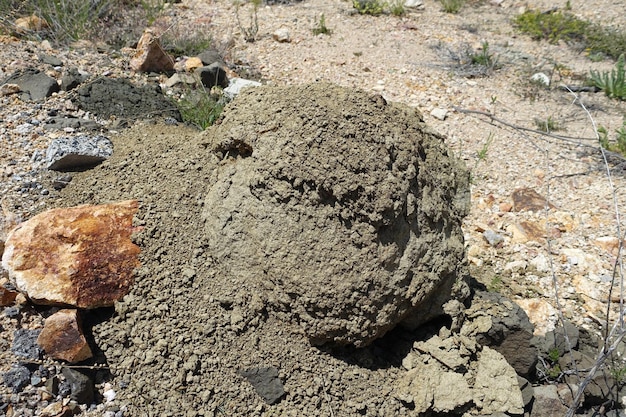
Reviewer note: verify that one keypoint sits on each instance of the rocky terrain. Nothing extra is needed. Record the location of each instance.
(380, 230)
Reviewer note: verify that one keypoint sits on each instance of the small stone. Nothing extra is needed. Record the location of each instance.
(541, 78)
(25, 344)
(192, 63)
(56, 409)
(439, 113)
(81, 386)
(150, 55)
(527, 199)
(7, 296)
(16, 378)
(180, 78)
(62, 337)
(212, 76)
(30, 23)
(68, 153)
(266, 383)
(413, 4)
(282, 35)
(493, 238)
(8, 89)
(236, 85)
(210, 56)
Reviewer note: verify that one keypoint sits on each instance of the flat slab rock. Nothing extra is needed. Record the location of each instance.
(79, 256)
(336, 207)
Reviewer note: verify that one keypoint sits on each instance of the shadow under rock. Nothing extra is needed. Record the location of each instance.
(389, 350)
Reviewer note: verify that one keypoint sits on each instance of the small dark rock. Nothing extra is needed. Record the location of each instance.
(34, 84)
(71, 122)
(61, 182)
(12, 312)
(81, 386)
(50, 60)
(25, 344)
(72, 79)
(266, 383)
(211, 56)
(212, 76)
(16, 378)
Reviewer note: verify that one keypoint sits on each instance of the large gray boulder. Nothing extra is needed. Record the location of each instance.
(343, 211)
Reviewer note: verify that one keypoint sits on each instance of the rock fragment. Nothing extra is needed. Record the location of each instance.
(150, 55)
(527, 199)
(62, 337)
(266, 383)
(79, 256)
(67, 153)
(33, 84)
(16, 378)
(25, 344)
(212, 76)
(81, 386)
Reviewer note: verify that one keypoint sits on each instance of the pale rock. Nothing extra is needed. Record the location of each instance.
(576, 257)
(496, 388)
(540, 78)
(516, 266)
(541, 263)
(608, 243)
(66, 153)
(526, 231)
(192, 63)
(150, 55)
(414, 4)
(30, 23)
(282, 35)
(54, 410)
(540, 313)
(180, 78)
(79, 256)
(429, 387)
(62, 337)
(439, 113)
(236, 85)
(8, 89)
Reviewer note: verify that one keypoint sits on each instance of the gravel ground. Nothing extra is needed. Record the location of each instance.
(408, 60)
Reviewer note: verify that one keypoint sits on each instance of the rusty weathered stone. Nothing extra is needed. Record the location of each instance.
(79, 256)
(62, 337)
(527, 199)
(150, 56)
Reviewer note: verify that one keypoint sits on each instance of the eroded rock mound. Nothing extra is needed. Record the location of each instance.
(344, 210)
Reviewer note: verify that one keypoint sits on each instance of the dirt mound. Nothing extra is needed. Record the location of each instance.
(183, 336)
(340, 208)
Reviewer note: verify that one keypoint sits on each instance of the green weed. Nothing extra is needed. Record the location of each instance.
(452, 6)
(555, 26)
(495, 285)
(321, 28)
(200, 107)
(616, 145)
(371, 7)
(251, 30)
(396, 7)
(614, 83)
(548, 125)
(484, 57)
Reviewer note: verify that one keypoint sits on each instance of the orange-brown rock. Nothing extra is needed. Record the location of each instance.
(79, 256)
(527, 199)
(7, 297)
(62, 337)
(30, 23)
(150, 56)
